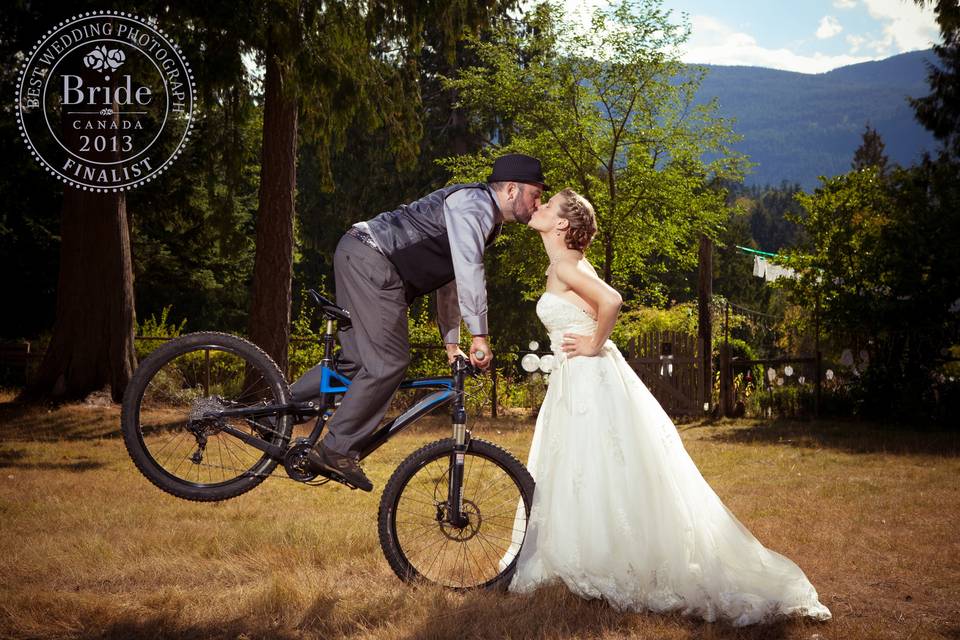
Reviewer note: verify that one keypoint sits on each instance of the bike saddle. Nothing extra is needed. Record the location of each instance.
(331, 310)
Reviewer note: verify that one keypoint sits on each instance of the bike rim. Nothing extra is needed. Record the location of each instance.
(473, 556)
(196, 383)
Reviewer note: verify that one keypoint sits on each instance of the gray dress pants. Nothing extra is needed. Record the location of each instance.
(376, 347)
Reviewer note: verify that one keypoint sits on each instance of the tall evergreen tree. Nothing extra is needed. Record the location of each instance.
(336, 67)
(940, 111)
(367, 177)
(269, 324)
(192, 232)
(870, 152)
(92, 342)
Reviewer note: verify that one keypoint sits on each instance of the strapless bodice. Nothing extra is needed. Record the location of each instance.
(560, 316)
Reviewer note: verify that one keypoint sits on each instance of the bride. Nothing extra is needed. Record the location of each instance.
(620, 511)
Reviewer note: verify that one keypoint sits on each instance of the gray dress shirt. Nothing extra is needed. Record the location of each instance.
(470, 215)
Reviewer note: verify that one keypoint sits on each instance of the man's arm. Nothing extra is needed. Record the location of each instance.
(448, 313)
(469, 217)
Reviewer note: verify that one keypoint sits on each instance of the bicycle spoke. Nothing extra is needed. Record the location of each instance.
(436, 557)
(462, 547)
(409, 499)
(459, 558)
(178, 438)
(483, 539)
(175, 395)
(485, 554)
(480, 572)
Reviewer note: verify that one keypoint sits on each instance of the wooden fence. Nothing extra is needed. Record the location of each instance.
(670, 366)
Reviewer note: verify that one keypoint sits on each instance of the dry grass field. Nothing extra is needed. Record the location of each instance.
(90, 549)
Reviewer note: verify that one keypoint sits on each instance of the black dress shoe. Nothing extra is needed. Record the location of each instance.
(322, 459)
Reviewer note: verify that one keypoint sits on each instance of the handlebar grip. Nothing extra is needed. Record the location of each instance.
(463, 364)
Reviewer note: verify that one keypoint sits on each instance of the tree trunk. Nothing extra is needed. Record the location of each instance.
(704, 324)
(273, 265)
(92, 343)
(460, 136)
(607, 258)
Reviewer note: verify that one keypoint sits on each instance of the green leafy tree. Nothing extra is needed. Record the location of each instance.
(733, 269)
(881, 259)
(881, 255)
(610, 111)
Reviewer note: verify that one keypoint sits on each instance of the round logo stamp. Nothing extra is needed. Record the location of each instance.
(105, 101)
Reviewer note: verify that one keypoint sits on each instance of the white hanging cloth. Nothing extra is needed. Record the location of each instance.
(762, 268)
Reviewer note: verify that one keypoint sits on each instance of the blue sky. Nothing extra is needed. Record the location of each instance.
(810, 36)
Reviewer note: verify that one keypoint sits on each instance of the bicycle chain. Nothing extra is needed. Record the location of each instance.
(312, 483)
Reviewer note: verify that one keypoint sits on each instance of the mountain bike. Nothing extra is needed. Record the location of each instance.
(208, 416)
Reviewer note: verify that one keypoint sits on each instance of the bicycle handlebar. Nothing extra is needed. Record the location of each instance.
(463, 364)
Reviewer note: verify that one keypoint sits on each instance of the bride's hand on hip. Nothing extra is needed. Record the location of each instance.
(579, 345)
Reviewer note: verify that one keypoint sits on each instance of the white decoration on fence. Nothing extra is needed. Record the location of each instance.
(530, 362)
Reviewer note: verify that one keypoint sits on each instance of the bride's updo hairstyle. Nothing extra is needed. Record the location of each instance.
(578, 211)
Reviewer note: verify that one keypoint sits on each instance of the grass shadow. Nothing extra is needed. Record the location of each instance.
(170, 627)
(477, 615)
(849, 437)
(40, 422)
(329, 616)
(16, 459)
(554, 612)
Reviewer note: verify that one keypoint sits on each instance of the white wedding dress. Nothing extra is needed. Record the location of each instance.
(620, 511)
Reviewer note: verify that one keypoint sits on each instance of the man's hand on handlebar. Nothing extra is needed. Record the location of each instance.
(478, 347)
(453, 350)
(480, 354)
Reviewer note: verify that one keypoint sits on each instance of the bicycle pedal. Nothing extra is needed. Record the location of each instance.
(336, 477)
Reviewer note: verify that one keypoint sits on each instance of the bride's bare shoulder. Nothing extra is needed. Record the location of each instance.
(578, 269)
(565, 268)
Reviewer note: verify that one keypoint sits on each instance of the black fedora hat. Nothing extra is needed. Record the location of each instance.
(517, 167)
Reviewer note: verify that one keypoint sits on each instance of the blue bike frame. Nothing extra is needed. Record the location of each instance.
(332, 382)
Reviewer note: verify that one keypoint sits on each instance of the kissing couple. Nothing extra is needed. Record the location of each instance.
(620, 510)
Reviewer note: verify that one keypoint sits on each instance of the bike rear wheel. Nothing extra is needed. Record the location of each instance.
(170, 420)
(419, 542)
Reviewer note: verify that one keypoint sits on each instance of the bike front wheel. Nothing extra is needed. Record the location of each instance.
(417, 537)
(172, 419)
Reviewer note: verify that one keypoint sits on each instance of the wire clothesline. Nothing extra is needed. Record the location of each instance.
(753, 311)
(766, 254)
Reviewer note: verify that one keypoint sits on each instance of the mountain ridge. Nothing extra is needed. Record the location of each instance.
(799, 126)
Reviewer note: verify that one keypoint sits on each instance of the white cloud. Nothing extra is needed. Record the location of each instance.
(906, 27)
(829, 27)
(714, 42)
(882, 46)
(855, 42)
(901, 26)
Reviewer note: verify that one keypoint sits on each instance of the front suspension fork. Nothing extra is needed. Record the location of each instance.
(461, 439)
(455, 492)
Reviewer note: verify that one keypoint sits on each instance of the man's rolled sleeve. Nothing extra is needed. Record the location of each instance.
(448, 313)
(469, 217)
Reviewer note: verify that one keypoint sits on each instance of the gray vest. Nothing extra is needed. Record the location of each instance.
(414, 238)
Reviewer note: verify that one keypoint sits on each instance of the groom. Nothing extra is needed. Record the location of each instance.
(434, 244)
